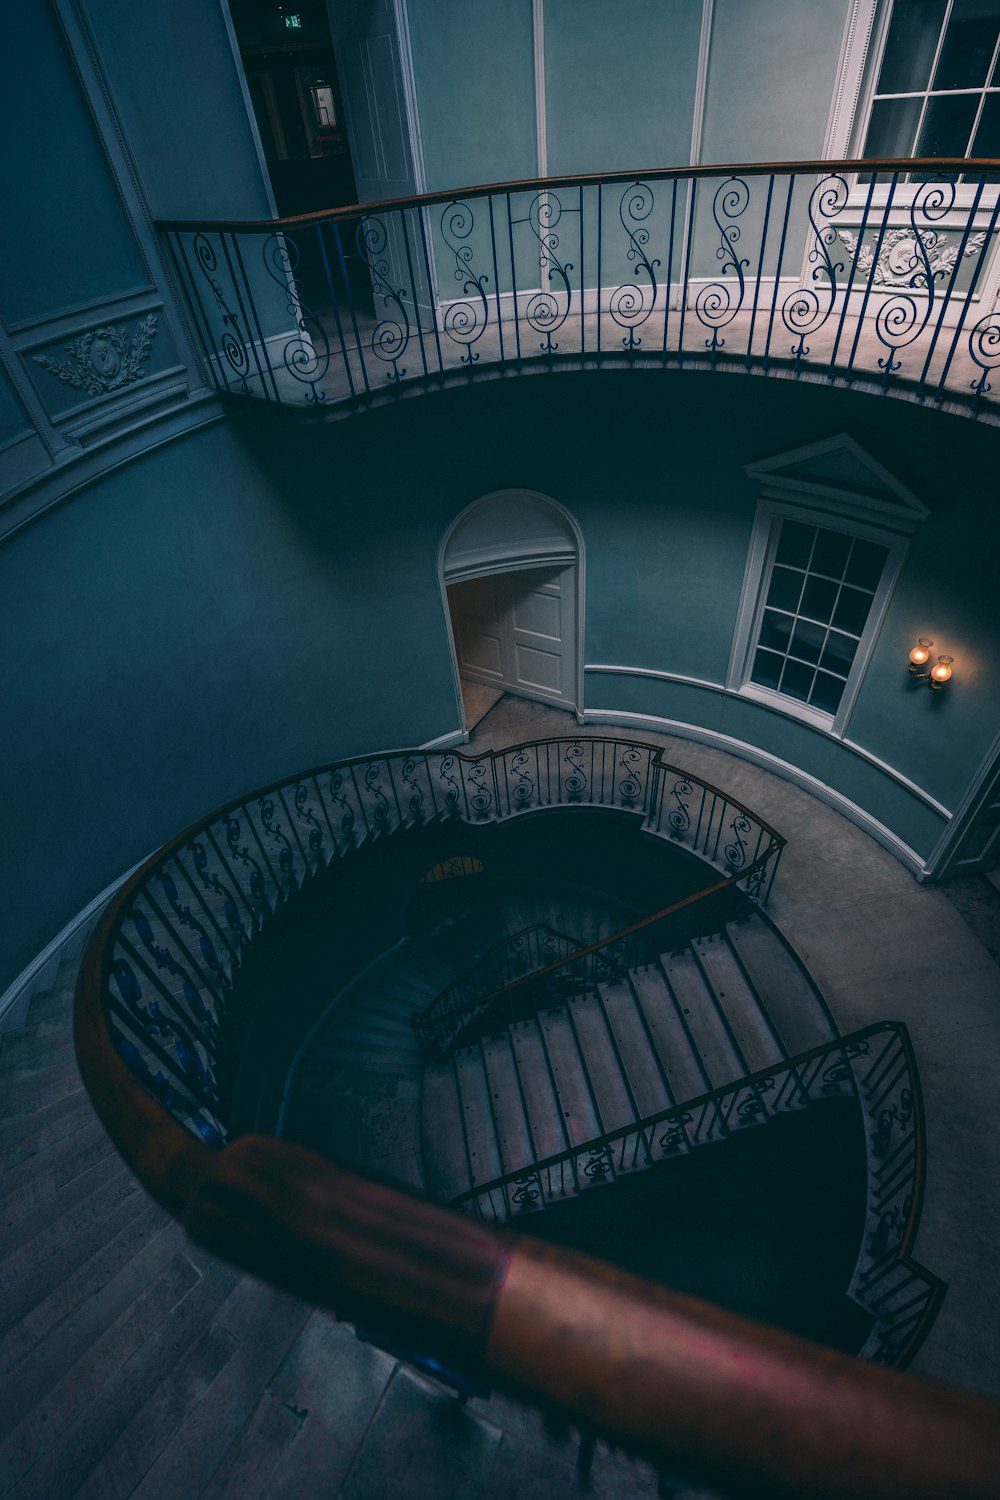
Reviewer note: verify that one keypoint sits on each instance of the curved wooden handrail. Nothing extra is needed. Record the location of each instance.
(591, 179)
(711, 1395)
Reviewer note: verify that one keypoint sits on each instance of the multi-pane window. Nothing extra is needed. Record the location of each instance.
(819, 596)
(937, 92)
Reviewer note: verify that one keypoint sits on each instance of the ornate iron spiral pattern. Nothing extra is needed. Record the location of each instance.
(902, 318)
(286, 859)
(675, 1138)
(306, 355)
(984, 347)
(391, 335)
(379, 809)
(679, 817)
(543, 312)
(465, 319)
(736, 850)
(258, 884)
(575, 782)
(453, 792)
(718, 303)
(805, 310)
(526, 1190)
(523, 789)
(415, 800)
(164, 959)
(630, 785)
(187, 919)
(153, 1026)
(234, 345)
(348, 817)
(628, 305)
(210, 880)
(304, 813)
(480, 797)
(598, 1165)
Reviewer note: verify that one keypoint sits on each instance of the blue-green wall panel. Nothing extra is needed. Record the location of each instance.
(61, 249)
(13, 418)
(473, 63)
(620, 83)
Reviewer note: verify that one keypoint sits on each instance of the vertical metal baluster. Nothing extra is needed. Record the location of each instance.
(256, 319)
(688, 247)
(760, 268)
(413, 288)
(246, 320)
(968, 302)
(335, 304)
(854, 268)
(206, 349)
(215, 359)
(970, 219)
(422, 216)
(496, 278)
(513, 278)
(583, 279)
(670, 262)
(766, 362)
(350, 301)
(600, 261)
(871, 277)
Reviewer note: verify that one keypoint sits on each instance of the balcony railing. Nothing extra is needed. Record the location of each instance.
(876, 274)
(746, 1409)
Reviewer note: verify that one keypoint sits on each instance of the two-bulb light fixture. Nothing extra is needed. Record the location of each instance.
(936, 676)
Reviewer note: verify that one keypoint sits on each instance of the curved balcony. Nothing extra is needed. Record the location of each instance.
(664, 1374)
(877, 275)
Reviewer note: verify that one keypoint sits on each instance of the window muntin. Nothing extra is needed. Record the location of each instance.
(937, 92)
(816, 605)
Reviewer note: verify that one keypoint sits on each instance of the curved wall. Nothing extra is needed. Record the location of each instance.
(263, 594)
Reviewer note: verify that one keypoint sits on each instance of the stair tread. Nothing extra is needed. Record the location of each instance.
(477, 1116)
(791, 1001)
(576, 1106)
(638, 1059)
(446, 1165)
(719, 1058)
(48, 1171)
(750, 1025)
(608, 1082)
(674, 1046)
(513, 1134)
(544, 1118)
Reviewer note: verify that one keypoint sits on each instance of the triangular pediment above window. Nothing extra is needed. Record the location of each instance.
(839, 476)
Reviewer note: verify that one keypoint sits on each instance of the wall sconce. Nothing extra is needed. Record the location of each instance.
(936, 676)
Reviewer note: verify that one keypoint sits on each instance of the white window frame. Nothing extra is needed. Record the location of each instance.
(763, 546)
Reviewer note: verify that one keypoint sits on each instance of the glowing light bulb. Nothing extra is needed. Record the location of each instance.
(921, 652)
(941, 671)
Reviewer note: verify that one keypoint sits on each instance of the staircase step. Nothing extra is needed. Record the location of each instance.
(27, 1134)
(638, 1059)
(792, 1003)
(445, 1162)
(545, 1119)
(609, 1084)
(576, 1105)
(513, 1134)
(714, 1047)
(675, 1048)
(477, 1116)
(737, 999)
(49, 1241)
(42, 1176)
(23, 1094)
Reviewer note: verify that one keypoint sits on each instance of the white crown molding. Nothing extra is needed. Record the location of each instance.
(841, 804)
(850, 71)
(541, 121)
(777, 477)
(701, 80)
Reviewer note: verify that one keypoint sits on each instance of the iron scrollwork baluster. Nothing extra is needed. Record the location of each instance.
(676, 1137)
(543, 313)
(347, 816)
(305, 814)
(898, 321)
(575, 783)
(391, 335)
(523, 789)
(234, 345)
(258, 884)
(804, 311)
(679, 817)
(463, 322)
(628, 305)
(286, 859)
(598, 1165)
(480, 797)
(715, 305)
(527, 1190)
(736, 850)
(415, 800)
(306, 355)
(630, 786)
(984, 348)
(453, 794)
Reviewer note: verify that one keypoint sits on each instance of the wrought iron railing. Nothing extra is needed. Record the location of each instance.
(876, 273)
(875, 1064)
(745, 1409)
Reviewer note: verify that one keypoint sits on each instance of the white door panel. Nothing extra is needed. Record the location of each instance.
(517, 629)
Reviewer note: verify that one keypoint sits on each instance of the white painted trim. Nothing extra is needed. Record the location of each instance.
(913, 787)
(408, 78)
(32, 977)
(701, 80)
(241, 78)
(841, 804)
(447, 741)
(964, 813)
(853, 53)
(541, 120)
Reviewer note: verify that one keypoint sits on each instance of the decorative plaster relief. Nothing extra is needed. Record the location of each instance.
(105, 359)
(900, 262)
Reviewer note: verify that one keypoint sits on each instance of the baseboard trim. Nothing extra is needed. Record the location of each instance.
(768, 762)
(66, 943)
(447, 741)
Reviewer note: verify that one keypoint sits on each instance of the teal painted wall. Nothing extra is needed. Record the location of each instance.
(177, 87)
(13, 419)
(62, 249)
(263, 596)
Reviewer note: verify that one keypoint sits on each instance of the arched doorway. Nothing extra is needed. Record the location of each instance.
(512, 579)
